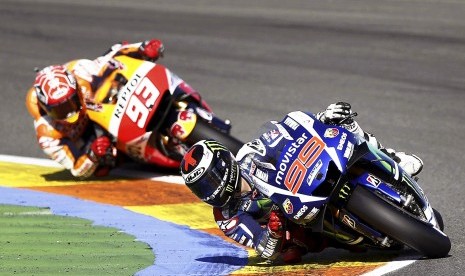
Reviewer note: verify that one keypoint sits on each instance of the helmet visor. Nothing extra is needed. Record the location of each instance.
(214, 186)
(68, 110)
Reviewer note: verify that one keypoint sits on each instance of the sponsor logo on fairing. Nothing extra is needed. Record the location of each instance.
(291, 123)
(315, 170)
(312, 214)
(287, 206)
(297, 170)
(331, 132)
(274, 134)
(184, 125)
(282, 130)
(342, 141)
(349, 150)
(135, 101)
(125, 94)
(373, 180)
(271, 135)
(301, 212)
(344, 192)
(287, 158)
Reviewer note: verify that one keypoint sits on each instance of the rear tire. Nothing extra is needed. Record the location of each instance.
(204, 130)
(397, 224)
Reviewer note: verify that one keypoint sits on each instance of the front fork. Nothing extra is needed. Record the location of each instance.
(336, 211)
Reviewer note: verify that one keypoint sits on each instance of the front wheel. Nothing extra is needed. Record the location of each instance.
(397, 224)
(439, 219)
(204, 130)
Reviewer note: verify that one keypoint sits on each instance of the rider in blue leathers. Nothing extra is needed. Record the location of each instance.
(244, 214)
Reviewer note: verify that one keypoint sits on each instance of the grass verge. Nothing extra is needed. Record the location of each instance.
(34, 241)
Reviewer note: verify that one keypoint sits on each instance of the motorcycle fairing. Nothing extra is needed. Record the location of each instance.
(301, 165)
(135, 108)
(137, 101)
(377, 172)
(374, 183)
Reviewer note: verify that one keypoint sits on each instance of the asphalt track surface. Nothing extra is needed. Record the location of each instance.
(399, 63)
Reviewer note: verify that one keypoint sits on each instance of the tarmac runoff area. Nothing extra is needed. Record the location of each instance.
(179, 229)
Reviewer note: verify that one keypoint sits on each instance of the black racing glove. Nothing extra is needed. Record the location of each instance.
(338, 113)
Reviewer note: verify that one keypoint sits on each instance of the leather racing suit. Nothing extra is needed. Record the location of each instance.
(69, 145)
(244, 219)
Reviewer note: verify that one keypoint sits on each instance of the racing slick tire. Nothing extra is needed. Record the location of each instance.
(398, 224)
(204, 130)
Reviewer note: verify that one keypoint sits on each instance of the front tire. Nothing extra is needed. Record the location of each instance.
(439, 219)
(398, 224)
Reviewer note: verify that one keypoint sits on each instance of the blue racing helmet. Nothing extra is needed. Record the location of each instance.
(211, 172)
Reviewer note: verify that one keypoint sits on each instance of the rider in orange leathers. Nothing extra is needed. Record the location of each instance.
(56, 101)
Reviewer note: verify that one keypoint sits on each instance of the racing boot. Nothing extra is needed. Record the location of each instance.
(293, 254)
(411, 163)
(302, 242)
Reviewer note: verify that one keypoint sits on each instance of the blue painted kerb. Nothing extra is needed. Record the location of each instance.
(178, 250)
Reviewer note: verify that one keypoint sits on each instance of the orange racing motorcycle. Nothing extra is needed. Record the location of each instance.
(152, 115)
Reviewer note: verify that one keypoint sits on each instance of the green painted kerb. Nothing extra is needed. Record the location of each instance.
(35, 242)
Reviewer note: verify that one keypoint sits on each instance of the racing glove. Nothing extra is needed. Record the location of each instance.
(269, 246)
(275, 224)
(102, 151)
(152, 49)
(337, 113)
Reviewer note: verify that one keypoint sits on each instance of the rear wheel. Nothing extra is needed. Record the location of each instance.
(204, 130)
(397, 224)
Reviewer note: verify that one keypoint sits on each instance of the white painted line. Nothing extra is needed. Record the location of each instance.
(390, 267)
(32, 213)
(175, 179)
(29, 161)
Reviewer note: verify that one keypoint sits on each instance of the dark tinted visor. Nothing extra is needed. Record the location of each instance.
(66, 109)
(209, 188)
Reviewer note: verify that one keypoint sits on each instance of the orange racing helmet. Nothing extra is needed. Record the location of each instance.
(58, 94)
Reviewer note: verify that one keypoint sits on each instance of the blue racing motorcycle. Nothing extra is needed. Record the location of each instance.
(334, 182)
